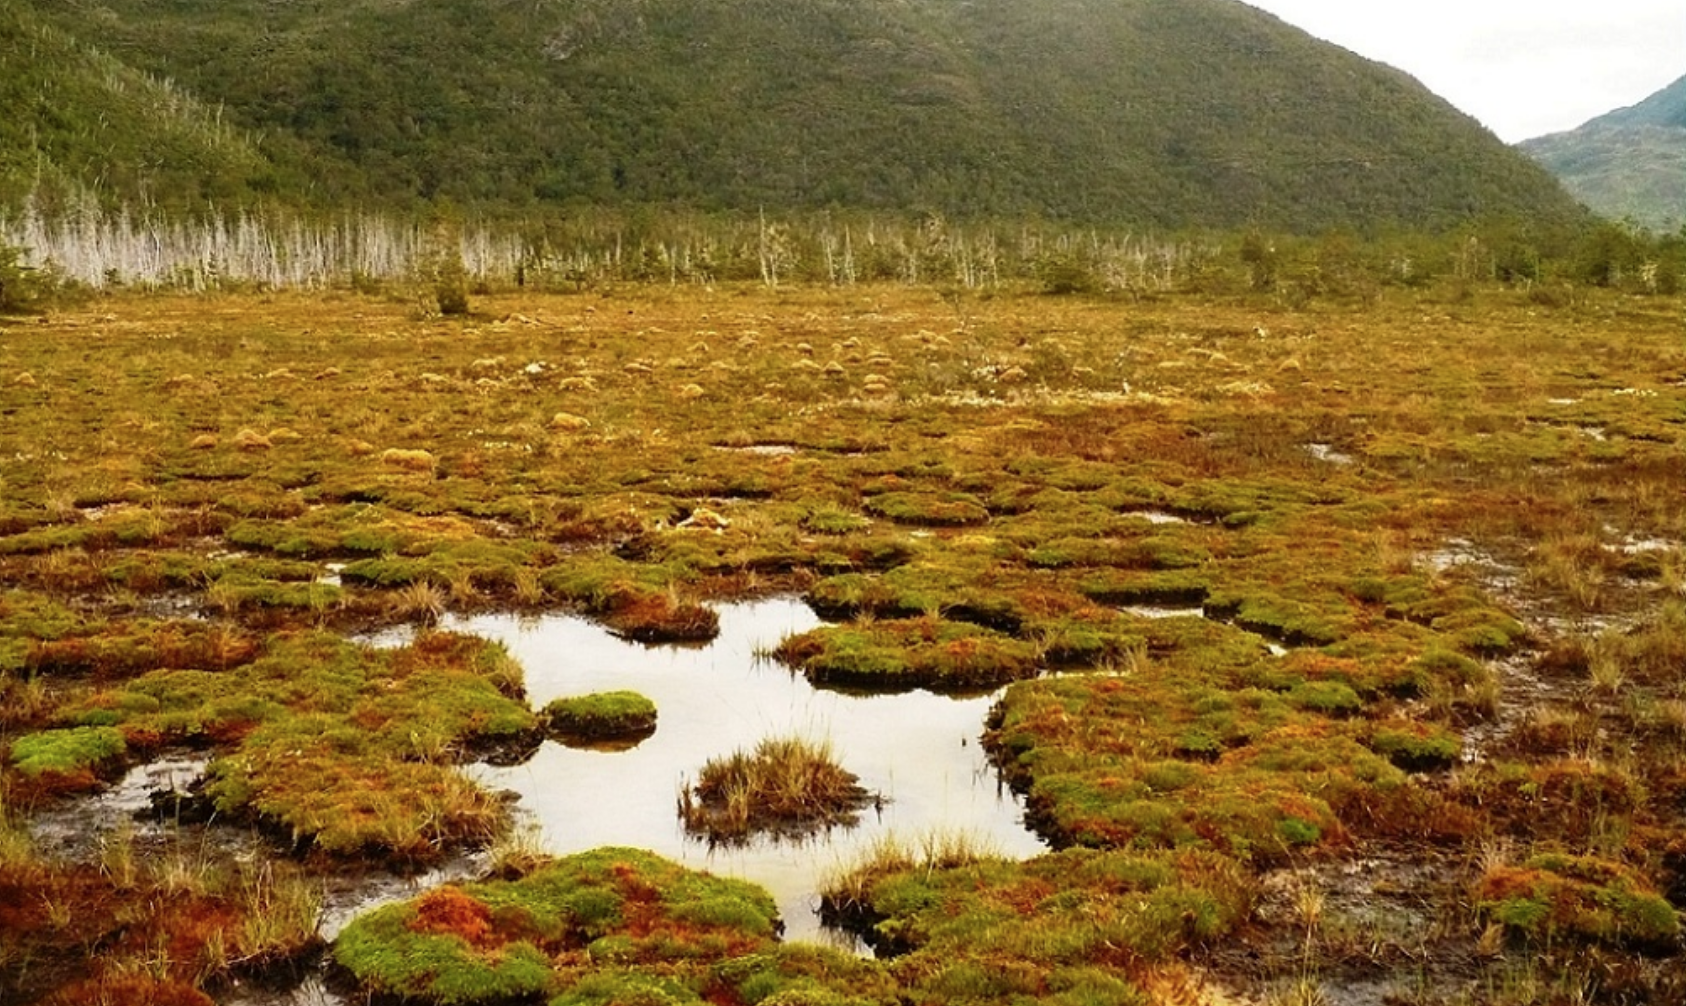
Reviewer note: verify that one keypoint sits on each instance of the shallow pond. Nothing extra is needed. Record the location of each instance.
(919, 751)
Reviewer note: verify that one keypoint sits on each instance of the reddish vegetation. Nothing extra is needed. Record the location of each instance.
(149, 649)
(30, 791)
(448, 911)
(435, 649)
(52, 914)
(130, 990)
(653, 618)
(188, 924)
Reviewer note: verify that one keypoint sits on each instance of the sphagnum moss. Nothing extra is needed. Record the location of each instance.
(601, 716)
(501, 940)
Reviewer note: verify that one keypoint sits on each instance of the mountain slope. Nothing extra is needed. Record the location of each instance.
(81, 121)
(1151, 112)
(1627, 163)
(1665, 108)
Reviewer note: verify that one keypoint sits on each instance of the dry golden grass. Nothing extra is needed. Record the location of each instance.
(788, 786)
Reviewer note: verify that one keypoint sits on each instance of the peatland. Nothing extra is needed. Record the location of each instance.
(1344, 637)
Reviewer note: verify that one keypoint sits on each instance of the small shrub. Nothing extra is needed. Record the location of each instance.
(22, 287)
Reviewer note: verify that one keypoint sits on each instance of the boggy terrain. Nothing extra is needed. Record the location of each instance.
(1347, 642)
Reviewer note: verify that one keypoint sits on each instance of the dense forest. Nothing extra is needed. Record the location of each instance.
(1195, 113)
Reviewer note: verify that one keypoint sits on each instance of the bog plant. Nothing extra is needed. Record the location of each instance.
(787, 786)
(625, 914)
(344, 748)
(1556, 896)
(601, 716)
(66, 752)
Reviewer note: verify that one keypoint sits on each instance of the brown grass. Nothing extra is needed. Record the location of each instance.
(786, 786)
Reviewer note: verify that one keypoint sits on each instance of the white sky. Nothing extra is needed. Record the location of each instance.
(1522, 67)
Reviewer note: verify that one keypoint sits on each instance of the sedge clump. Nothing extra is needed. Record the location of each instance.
(787, 786)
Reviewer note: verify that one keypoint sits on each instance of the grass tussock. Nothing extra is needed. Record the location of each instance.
(787, 786)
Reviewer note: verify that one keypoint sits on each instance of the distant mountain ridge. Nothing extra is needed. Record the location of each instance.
(1160, 113)
(1626, 164)
(1667, 107)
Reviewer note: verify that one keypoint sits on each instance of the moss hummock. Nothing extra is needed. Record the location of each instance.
(925, 652)
(503, 940)
(343, 748)
(601, 716)
(1583, 897)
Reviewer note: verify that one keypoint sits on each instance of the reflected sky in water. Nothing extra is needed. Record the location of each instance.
(919, 750)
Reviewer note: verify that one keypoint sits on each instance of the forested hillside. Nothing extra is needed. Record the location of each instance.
(1163, 113)
(1629, 163)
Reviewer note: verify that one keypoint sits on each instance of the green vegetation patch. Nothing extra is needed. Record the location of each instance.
(1136, 762)
(68, 752)
(1583, 897)
(929, 509)
(927, 652)
(601, 716)
(123, 647)
(497, 940)
(633, 601)
(343, 747)
(1295, 623)
(954, 916)
(1416, 747)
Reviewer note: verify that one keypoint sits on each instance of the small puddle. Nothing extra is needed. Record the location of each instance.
(1162, 611)
(918, 750)
(1635, 544)
(74, 830)
(767, 450)
(1327, 453)
(1157, 516)
(180, 607)
(1276, 648)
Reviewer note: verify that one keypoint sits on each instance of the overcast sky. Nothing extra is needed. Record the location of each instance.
(1523, 67)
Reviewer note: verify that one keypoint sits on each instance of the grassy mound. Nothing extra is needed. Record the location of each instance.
(954, 914)
(914, 653)
(344, 748)
(601, 716)
(1554, 896)
(510, 940)
(787, 786)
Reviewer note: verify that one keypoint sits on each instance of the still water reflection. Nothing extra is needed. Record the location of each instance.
(918, 750)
